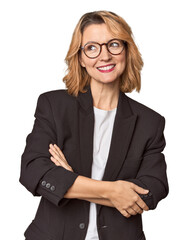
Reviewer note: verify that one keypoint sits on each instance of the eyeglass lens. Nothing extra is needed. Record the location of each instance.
(93, 49)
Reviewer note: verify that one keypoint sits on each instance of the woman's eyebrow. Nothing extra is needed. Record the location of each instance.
(97, 42)
(91, 42)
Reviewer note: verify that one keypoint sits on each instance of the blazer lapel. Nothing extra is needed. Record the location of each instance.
(124, 125)
(123, 129)
(86, 131)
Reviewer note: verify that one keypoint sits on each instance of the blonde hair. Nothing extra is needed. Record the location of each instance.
(77, 77)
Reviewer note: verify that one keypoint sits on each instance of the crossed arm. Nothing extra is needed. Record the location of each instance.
(122, 195)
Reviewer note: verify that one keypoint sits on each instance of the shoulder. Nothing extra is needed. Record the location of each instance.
(58, 96)
(146, 115)
(140, 108)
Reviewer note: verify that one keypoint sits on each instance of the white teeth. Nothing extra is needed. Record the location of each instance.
(106, 68)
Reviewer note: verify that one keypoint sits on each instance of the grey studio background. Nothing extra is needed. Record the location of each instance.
(35, 37)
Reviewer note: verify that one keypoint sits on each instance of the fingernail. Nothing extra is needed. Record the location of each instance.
(146, 191)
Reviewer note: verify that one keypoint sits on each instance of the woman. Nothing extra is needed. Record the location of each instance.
(94, 154)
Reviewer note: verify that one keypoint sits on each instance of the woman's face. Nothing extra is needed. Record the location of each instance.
(106, 68)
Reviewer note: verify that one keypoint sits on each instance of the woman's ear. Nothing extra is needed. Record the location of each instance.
(81, 61)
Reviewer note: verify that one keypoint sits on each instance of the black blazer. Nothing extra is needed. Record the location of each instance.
(135, 155)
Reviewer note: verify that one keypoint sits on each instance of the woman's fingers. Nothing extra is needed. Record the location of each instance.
(128, 212)
(125, 214)
(54, 149)
(58, 157)
(139, 190)
(55, 161)
(58, 161)
(139, 201)
(134, 210)
(131, 211)
(137, 209)
(60, 152)
(55, 155)
(124, 197)
(142, 204)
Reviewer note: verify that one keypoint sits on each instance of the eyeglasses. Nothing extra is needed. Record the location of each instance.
(93, 49)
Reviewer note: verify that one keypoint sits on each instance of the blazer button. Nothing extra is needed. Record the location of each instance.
(43, 183)
(82, 225)
(103, 227)
(52, 188)
(48, 185)
(150, 194)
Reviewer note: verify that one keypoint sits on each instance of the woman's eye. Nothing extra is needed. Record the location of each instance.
(91, 48)
(114, 44)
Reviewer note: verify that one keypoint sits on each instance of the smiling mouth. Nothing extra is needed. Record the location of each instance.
(108, 68)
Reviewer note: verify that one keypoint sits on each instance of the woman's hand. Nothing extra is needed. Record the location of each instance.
(58, 157)
(120, 194)
(124, 196)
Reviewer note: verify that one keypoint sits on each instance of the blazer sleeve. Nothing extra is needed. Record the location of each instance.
(38, 173)
(152, 172)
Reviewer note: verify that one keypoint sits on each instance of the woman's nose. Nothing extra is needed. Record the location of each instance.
(105, 55)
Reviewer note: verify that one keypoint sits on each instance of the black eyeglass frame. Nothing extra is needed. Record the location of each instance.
(124, 44)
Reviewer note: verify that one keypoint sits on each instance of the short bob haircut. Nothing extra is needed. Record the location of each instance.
(77, 77)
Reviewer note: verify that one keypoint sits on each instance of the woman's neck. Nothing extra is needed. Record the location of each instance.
(105, 95)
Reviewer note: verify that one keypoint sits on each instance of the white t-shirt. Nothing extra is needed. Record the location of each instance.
(103, 127)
